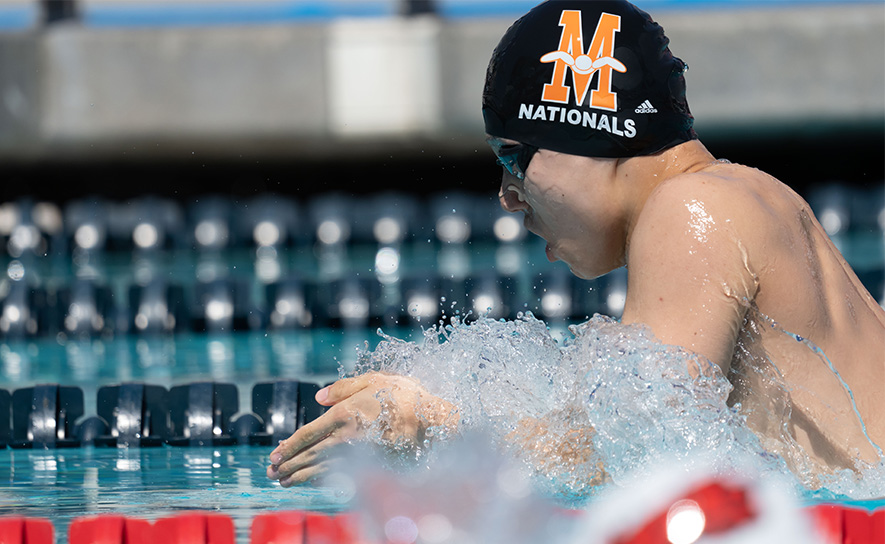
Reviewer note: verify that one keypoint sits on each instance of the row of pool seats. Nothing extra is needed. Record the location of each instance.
(216, 222)
(352, 269)
(171, 267)
(50, 416)
(88, 308)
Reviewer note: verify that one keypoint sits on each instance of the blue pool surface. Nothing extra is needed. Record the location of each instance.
(149, 483)
(152, 483)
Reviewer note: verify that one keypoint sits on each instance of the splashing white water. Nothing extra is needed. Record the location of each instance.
(589, 411)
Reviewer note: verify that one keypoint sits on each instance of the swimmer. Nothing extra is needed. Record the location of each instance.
(585, 107)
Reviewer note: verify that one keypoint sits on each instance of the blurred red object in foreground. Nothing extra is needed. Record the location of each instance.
(295, 527)
(712, 508)
(195, 528)
(846, 525)
(21, 530)
(109, 529)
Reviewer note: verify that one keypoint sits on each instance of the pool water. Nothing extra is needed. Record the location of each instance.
(148, 483)
(152, 482)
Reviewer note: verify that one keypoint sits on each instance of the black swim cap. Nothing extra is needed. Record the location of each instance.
(587, 77)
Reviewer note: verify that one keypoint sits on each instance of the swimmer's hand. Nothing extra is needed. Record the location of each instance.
(564, 454)
(356, 404)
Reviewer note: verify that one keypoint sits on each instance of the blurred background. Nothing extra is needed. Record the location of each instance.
(217, 165)
(239, 97)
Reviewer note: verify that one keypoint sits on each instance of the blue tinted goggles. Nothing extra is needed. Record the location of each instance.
(515, 158)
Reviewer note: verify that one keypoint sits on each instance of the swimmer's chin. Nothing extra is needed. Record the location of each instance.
(584, 275)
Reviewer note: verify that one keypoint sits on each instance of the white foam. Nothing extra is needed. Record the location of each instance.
(607, 396)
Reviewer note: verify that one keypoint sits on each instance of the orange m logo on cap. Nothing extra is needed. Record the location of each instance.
(600, 58)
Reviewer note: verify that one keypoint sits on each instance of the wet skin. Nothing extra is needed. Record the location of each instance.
(708, 247)
(354, 404)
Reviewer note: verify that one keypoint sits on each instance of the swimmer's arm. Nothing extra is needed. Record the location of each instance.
(689, 276)
(563, 455)
(353, 404)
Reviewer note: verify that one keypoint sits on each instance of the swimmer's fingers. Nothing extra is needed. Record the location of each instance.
(342, 389)
(307, 463)
(306, 474)
(306, 436)
(344, 419)
(304, 460)
(349, 387)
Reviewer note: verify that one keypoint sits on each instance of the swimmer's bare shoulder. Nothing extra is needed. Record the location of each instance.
(692, 258)
(801, 280)
(706, 241)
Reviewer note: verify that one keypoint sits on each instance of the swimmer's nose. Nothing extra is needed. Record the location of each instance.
(511, 196)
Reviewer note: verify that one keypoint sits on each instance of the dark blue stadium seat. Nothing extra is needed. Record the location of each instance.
(331, 220)
(452, 217)
(831, 204)
(552, 295)
(25, 311)
(223, 305)
(349, 302)
(86, 224)
(269, 220)
(612, 289)
(874, 281)
(200, 414)
(386, 219)
(867, 208)
(146, 224)
(137, 415)
(209, 221)
(421, 303)
(283, 407)
(5, 418)
(286, 305)
(86, 308)
(31, 229)
(43, 416)
(502, 226)
(156, 307)
(492, 295)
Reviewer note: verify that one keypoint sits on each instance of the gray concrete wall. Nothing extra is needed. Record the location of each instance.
(414, 84)
(20, 94)
(779, 65)
(131, 88)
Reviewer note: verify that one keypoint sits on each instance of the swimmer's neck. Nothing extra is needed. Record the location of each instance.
(642, 175)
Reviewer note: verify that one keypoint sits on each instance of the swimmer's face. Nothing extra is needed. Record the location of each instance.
(573, 203)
